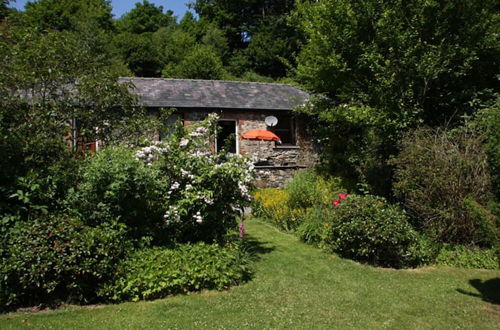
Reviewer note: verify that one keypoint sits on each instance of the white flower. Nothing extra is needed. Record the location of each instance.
(198, 217)
(184, 142)
(175, 186)
(195, 134)
(187, 174)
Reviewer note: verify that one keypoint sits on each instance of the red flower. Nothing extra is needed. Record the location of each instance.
(343, 196)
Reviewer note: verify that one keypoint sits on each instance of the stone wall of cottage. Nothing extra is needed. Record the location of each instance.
(275, 164)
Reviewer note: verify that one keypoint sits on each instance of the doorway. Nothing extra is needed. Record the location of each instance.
(227, 136)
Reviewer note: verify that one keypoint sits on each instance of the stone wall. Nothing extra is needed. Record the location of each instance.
(275, 164)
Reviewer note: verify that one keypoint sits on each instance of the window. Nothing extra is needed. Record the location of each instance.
(285, 130)
(226, 136)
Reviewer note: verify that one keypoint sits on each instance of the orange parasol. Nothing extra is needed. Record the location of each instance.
(261, 135)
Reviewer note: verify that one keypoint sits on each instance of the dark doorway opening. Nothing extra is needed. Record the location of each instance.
(226, 136)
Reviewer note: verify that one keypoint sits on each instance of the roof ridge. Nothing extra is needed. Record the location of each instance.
(211, 80)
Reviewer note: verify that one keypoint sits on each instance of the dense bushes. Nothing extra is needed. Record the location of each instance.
(309, 188)
(442, 179)
(158, 272)
(125, 198)
(286, 208)
(176, 190)
(468, 257)
(59, 258)
(367, 228)
(115, 185)
(272, 204)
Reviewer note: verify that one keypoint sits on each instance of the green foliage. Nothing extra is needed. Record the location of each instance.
(384, 67)
(367, 228)
(488, 120)
(115, 185)
(173, 44)
(39, 98)
(67, 14)
(308, 189)
(257, 33)
(313, 228)
(176, 190)
(4, 10)
(443, 181)
(272, 204)
(202, 63)
(139, 53)
(157, 272)
(58, 258)
(468, 257)
(145, 17)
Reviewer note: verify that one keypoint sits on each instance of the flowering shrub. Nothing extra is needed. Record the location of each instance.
(308, 188)
(176, 190)
(206, 190)
(341, 198)
(272, 204)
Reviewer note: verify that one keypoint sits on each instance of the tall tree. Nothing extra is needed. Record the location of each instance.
(386, 66)
(67, 14)
(257, 25)
(146, 17)
(46, 80)
(4, 9)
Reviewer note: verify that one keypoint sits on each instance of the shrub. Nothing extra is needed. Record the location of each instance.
(367, 228)
(176, 190)
(116, 185)
(59, 258)
(468, 257)
(157, 272)
(272, 204)
(309, 188)
(208, 190)
(443, 181)
(314, 225)
(488, 121)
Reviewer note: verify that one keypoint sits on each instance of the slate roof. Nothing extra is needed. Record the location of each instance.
(215, 94)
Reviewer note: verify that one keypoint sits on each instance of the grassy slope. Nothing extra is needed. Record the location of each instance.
(297, 286)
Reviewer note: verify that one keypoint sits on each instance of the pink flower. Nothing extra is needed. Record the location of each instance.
(343, 196)
(336, 203)
(242, 230)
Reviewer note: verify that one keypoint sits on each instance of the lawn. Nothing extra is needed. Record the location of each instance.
(298, 286)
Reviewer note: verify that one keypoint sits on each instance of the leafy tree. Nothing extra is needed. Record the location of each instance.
(4, 10)
(146, 17)
(201, 63)
(173, 44)
(386, 66)
(240, 18)
(43, 86)
(215, 38)
(259, 25)
(65, 14)
(139, 53)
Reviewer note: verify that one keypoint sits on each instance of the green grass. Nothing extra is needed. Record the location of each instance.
(297, 286)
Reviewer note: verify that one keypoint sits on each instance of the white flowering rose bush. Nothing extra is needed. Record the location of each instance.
(206, 190)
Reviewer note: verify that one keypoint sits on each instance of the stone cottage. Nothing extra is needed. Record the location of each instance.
(242, 107)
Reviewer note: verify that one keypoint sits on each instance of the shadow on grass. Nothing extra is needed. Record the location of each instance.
(256, 248)
(489, 290)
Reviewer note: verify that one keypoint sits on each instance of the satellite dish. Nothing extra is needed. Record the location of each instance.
(271, 121)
